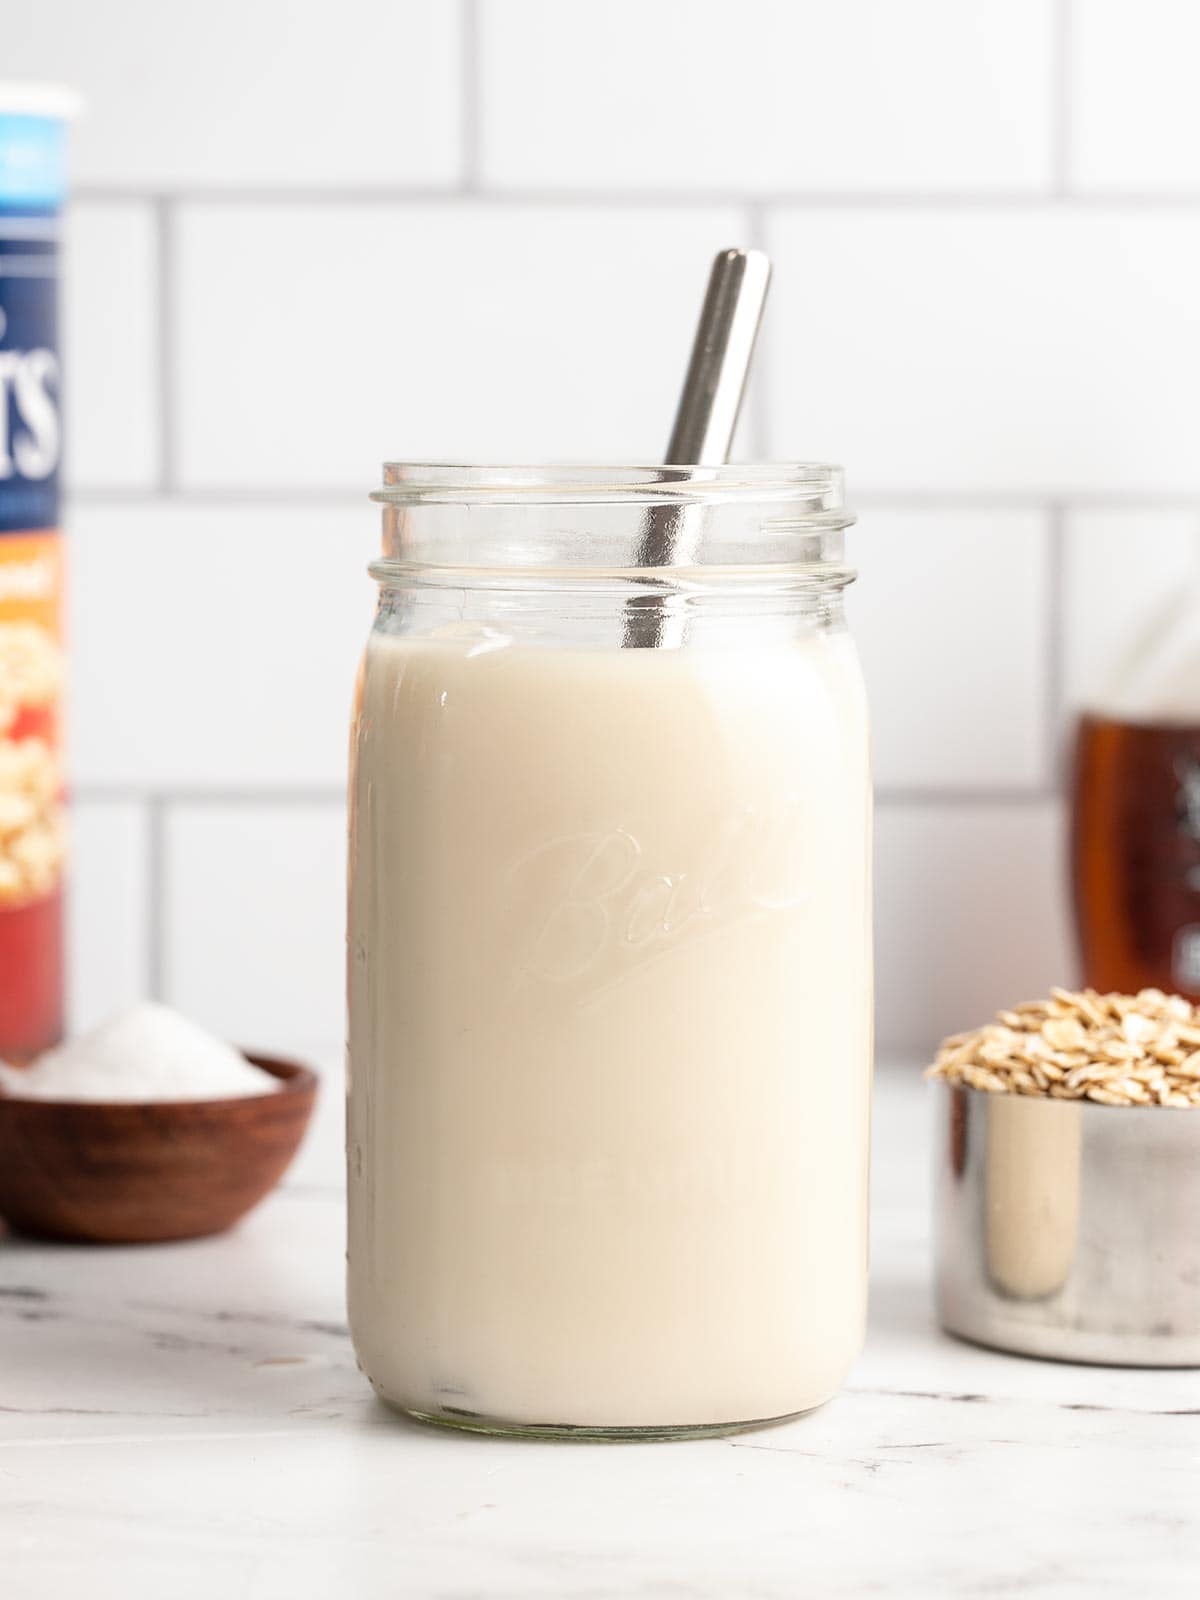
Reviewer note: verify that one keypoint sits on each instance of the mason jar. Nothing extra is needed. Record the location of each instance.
(609, 951)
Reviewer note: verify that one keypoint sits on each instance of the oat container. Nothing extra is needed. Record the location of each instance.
(32, 831)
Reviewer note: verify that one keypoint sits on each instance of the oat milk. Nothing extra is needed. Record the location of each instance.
(610, 1004)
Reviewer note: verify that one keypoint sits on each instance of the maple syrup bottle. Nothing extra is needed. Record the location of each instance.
(1135, 843)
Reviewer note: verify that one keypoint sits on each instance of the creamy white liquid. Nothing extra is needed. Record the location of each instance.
(610, 1002)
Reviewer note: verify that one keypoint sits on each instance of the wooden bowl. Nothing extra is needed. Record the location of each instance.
(117, 1173)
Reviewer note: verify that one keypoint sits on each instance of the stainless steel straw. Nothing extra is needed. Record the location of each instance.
(704, 425)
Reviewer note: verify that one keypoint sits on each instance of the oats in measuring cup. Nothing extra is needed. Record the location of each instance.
(1116, 1049)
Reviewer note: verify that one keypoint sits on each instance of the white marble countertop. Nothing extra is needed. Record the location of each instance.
(187, 1420)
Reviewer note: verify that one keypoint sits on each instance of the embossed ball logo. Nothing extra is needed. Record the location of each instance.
(607, 905)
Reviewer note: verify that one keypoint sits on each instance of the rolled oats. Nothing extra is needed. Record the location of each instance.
(1114, 1049)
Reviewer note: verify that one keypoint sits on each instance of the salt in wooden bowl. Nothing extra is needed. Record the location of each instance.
(104, 1172)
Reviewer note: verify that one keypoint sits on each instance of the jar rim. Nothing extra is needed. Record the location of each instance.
(814, 487)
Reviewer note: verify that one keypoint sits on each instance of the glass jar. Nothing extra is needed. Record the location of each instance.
(609, 951)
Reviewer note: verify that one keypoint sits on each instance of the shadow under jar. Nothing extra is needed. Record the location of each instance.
(609, 952)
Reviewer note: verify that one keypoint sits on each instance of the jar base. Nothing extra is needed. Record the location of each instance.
(595, 1433)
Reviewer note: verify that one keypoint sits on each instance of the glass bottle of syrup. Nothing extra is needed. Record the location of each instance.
(1135, 843)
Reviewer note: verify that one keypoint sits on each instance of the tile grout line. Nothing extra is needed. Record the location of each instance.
(465, 192)
(164, 218)
(469, 86)
(1062, 43)
(155, 897)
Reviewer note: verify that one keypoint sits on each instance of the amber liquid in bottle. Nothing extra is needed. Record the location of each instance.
(1135, 852)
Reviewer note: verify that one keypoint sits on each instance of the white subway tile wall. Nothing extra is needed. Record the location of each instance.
(214, 646)
(951, 604)
(108, 928)
(970, 912)
(242, 94)
(308, 237)
(1045, 351)
(110, 337)
(1135, 112)
(1125, 570)
(846, 95)
(316, 341)
(252, 918)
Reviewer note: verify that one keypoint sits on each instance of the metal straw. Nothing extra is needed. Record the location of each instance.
(704, 421)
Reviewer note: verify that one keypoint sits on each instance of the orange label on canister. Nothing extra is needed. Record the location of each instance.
(32, 816)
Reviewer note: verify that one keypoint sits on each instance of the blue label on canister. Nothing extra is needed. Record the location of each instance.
(31, 439)
(32, 181)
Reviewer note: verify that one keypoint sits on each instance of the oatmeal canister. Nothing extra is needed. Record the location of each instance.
(32, 183)
(609, 952)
